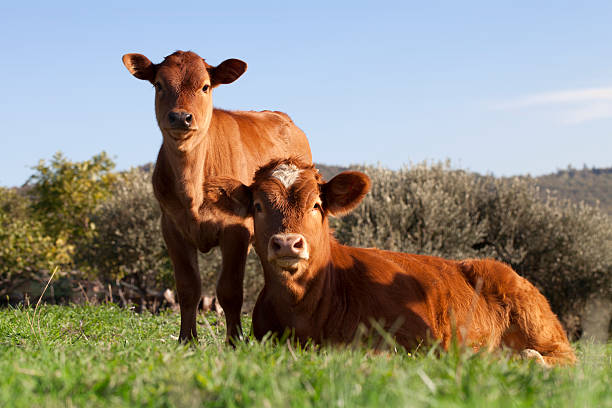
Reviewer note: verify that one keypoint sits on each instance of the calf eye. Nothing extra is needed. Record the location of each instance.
(258, 208)
(317, 207)
(158, 86)
(205, 88)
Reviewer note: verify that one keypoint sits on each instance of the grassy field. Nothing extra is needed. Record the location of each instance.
(106, 356)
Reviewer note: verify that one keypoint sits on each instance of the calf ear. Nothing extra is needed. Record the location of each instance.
(227, 72)
(229, 195)
(342, 193)
(139, 66)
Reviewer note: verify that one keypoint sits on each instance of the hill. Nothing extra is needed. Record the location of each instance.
(591, 185)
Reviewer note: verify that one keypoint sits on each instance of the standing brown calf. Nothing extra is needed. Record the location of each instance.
(199, 142)
(323, 290)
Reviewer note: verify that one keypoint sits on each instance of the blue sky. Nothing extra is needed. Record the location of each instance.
(496, 87)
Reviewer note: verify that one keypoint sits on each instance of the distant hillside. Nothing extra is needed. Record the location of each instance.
(588, 185)
(328, 171)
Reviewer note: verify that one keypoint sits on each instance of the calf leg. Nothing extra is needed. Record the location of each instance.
(531, 354)
(184, 259)
(529, 326)
(264, 318)
(534, 330)
(234, 250)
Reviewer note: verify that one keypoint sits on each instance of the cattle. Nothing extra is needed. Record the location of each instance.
(199, 142)
(326, 292)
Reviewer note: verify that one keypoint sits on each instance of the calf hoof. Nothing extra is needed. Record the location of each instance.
(531, 354)
(187, 339)
(233, 341)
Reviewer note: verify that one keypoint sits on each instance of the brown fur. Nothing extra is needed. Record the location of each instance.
(483, 303)
(214, 143)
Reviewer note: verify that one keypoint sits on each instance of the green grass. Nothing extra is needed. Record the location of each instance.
(105, 356)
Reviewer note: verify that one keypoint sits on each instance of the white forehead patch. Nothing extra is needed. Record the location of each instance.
(286, 174)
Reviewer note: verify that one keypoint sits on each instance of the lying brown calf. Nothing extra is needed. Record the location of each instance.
(324, 290)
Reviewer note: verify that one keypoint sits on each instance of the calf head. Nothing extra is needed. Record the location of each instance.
(183, 92)
(290, 205)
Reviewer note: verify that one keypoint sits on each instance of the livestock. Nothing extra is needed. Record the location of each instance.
(327, 292)
(198, 142)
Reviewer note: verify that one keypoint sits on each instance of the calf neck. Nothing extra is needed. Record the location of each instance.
(199, 142)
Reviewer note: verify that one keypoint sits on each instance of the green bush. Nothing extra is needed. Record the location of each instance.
(44, 223)
(423, 209)
(64, 193)
(128, 237)
(27, 253)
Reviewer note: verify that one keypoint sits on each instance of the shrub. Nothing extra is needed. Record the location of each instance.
(64, 193)
(128, 244)
(422, 209)
(27, 253)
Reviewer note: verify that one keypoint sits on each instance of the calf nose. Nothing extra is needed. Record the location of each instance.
(287, 245)
(180, 119)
